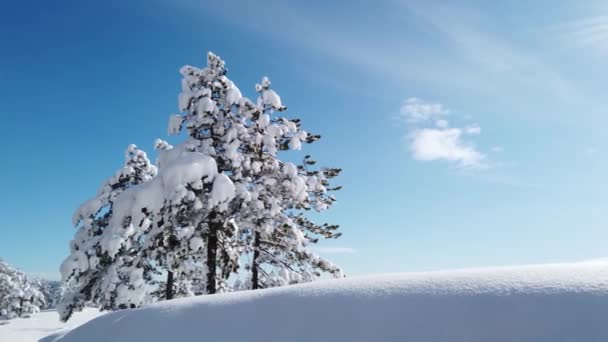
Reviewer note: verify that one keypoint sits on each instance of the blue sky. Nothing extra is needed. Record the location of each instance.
(471, 133)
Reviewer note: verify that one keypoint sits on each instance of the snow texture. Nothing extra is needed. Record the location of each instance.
(542, 303)
(40, 325)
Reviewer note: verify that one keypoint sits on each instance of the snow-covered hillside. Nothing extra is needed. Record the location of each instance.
(544, 303)
(40, 325)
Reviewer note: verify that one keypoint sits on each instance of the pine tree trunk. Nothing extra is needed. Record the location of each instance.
(212, 256)
(169, 288)
(255, 281)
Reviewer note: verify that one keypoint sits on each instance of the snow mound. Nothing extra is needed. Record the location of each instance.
(543, 303)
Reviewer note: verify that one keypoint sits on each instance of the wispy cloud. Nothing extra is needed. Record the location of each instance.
(430, 43)
(415, 110)
(335, 250)
(590, 33)
(468, 37)
(472, 129)
(430, 137)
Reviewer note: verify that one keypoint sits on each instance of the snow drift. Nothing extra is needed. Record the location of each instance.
(544, 303)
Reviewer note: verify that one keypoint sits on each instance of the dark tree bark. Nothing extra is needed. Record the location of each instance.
(255, 280)
(169, 288)
(212, 255)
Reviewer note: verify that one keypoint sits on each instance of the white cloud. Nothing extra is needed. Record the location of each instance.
(497, 149)
(472, 129)
(335, 250)
(428, 144)
(442, 123)
(416, 110)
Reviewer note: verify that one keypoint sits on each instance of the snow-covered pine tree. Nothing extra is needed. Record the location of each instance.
(8, 286)
(52, 291)
(180, 213)
(279, 236)
(212, 191)
(172, 240)
(90, 273)
(18, 297)
(223, 124)
(26, 299)
(194, 234)
(244, 140)
(197, 231)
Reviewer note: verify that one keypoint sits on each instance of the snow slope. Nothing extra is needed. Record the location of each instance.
(544, 303)
(40, 325)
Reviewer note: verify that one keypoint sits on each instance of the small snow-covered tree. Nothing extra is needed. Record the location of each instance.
(8, 286)
(18, 297)
(92, 271)
(25, 299)
(52, 291)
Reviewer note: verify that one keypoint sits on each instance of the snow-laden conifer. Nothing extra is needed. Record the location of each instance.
(18, 296)
(219, 196)
(279, 235)
(92, 271)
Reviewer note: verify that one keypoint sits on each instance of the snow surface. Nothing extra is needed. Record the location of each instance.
(41, 324)
(543, 303)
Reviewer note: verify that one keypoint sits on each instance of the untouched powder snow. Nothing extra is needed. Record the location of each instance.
(40, 325)
(544, 303)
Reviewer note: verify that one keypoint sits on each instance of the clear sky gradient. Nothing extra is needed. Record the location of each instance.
(498, 157)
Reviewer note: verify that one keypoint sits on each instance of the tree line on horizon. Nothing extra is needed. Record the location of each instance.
(21, 295)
